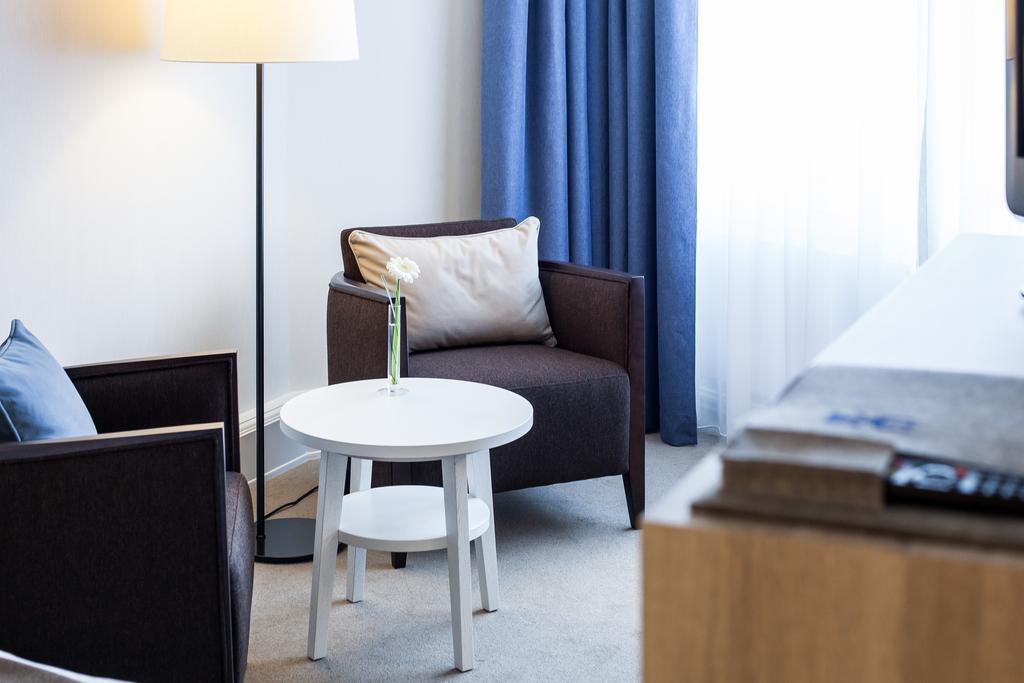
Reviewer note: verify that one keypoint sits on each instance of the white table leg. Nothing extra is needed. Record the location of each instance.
(325, 549)
(356, 578)
(484, 546)
(456, 513)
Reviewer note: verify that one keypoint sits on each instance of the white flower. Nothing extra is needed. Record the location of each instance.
(403, 269)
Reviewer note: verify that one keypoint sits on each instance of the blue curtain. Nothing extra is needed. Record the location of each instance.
(589, 123)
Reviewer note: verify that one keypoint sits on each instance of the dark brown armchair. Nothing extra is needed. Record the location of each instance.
(587, 392)
(130, 554)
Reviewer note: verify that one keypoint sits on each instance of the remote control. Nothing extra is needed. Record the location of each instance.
(932, 482)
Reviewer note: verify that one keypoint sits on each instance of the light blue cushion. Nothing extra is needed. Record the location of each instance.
(37, 399)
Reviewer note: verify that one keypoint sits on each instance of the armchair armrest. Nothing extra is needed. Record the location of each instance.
(114, 547)
(596, 312)
(164, 392)
(357, 332)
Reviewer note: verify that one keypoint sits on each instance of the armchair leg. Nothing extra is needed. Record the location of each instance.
(634, 486)
(398, 560)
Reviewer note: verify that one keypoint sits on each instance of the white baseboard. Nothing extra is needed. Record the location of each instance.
(290, 465)
(272, 413)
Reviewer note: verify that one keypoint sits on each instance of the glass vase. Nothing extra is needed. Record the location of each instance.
(394, 371)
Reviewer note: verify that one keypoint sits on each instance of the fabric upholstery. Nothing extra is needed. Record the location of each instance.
(601, 313)
(37, 400)
(469, 227)
(589, 122)
(357, 335)
(163, 392)
(472, 289)
(114, 549)
(590, 308)
(241, 535)
(581, 411)
(241, 542)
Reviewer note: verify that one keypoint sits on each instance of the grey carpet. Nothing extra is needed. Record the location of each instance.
(569, 572)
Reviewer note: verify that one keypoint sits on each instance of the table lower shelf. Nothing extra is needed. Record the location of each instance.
(403, 519)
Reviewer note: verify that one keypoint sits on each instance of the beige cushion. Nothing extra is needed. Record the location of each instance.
(472, 289)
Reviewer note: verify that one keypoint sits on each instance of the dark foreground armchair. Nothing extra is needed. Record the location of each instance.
(587, 392)
(130, 554)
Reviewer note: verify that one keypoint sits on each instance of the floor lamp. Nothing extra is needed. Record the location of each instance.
(259, 32)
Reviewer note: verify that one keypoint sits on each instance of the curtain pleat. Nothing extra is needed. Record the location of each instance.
(597, 133)
(578, 134)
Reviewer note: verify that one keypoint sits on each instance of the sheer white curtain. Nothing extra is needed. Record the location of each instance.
(838, 144)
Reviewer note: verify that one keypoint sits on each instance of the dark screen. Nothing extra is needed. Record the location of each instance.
(1015, 16)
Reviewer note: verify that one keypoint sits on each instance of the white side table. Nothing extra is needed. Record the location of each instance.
(438, 419)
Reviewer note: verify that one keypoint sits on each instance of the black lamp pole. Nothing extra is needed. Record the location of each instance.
(277, 540)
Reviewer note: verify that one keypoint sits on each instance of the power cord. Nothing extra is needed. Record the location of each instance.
(292, 504)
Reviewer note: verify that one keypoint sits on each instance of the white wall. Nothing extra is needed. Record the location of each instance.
(393, 138)
(127, 184)
(125, 200)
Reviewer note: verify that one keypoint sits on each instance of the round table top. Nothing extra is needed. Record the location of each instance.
(436, 418)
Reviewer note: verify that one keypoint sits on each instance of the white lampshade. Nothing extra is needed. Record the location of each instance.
(260, 31)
